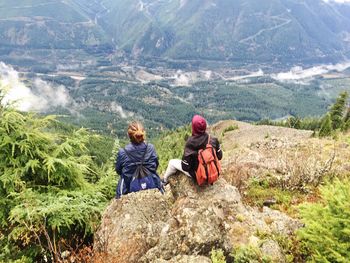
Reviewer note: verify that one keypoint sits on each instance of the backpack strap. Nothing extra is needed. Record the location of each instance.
(216, 160)
(144, 154)
(205, 166)
(205, 146)
(133, 160)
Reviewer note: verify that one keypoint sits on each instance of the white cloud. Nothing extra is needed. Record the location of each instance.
(114, 107)
(337, 1)
(50, 96)
(40, 98)
(298, 73)
(258, 73)
(182, 79)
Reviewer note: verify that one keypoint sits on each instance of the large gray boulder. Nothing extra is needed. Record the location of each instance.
(185, 224)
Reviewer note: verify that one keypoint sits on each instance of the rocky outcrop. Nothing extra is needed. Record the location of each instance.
(186, 223)
(185, 259)
(286, 158)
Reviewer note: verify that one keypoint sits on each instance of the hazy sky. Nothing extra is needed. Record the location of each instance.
(338, 1)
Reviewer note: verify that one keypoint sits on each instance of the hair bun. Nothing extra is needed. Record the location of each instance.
(136, 132)
(139, 133)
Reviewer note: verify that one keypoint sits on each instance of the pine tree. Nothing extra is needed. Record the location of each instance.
(326, 126)
(347, 115)
(337, 111)
(2, 99)
(50, 187)
(346, 125)
(294, 122)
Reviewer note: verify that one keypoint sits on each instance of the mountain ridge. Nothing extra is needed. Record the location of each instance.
(226, 30)
(241, 31)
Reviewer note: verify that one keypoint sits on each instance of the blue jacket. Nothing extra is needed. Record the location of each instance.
(126, 167)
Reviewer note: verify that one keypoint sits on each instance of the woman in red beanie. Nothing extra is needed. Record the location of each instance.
(199, 139)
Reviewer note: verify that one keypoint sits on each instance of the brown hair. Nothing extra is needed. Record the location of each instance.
(136, 132)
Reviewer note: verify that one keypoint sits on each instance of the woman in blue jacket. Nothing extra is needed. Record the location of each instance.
(137, 163)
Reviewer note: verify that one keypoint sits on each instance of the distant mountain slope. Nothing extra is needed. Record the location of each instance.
(47, 24)
(230, 30)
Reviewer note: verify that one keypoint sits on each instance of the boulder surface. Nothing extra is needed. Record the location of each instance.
(186, 224)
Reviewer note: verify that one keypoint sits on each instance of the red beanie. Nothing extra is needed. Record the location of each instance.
(199, 125)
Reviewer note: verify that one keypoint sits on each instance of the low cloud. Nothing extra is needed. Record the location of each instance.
(40, 98)
(50, 96)
(256, 74)
(337, 1)
(182, 79)
(64, 67)
(298, 73)
(114, 107)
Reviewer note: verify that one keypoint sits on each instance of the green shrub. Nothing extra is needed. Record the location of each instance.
(217, 256)
(327, 224)
(295, 123)
(326, 126)
(292, 249)
(250, 254)
(229, 128)
(259, 191)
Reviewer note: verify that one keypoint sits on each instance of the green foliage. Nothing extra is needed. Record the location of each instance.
(170, 145)
(51, 189)
(250, 254)
(217, 256)
(327, 224)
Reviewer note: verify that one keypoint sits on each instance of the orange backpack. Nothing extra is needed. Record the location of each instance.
(209, 167)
